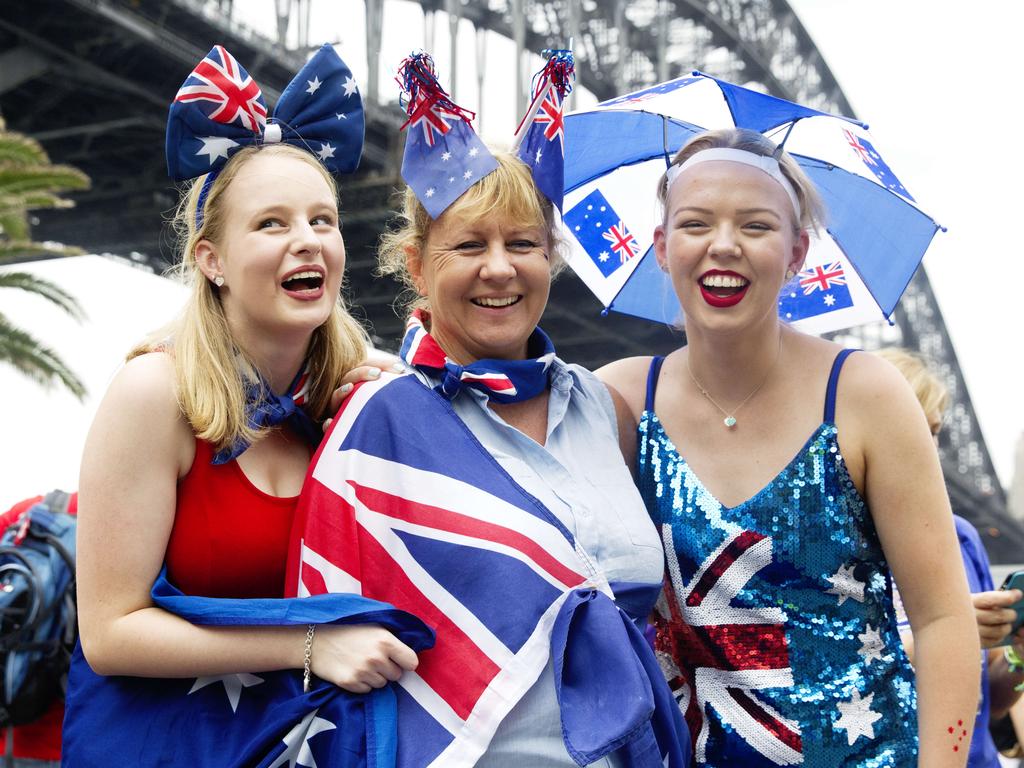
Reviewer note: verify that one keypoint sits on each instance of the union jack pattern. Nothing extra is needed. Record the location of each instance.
(391, 532)
(222, 81)
(727, 652)
(432, 118)
(622, 242)
(821, 278)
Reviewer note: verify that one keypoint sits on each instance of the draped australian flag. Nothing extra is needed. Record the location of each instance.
(403, 503)
(245, 720)
(443, 155)
(540, 138)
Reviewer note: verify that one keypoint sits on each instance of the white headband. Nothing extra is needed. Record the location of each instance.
(764, 163)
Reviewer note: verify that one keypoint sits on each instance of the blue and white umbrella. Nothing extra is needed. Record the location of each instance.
(856, 270)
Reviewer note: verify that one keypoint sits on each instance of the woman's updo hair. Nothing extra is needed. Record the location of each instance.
(507, 192)
(811, 206)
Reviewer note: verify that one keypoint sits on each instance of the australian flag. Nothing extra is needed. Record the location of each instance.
(815, 291)
(542, 142)
(649, 93)
(443, 155)
(402, 501)
(239, 720)
(866, 152)
(602, 233)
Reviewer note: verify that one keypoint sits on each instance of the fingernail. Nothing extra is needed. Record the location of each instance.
(398, 368)
(346, 388)
(373, 373)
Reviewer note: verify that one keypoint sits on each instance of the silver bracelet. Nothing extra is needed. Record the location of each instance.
(307, 660)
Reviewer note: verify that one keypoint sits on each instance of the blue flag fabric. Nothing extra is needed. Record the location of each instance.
(815, 291)
(443, 157)
(865, 150)
(443, 534)
(601, 232)
(261, 719)
(220, 108)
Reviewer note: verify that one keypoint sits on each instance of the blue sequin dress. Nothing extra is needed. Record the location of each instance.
(776, 627)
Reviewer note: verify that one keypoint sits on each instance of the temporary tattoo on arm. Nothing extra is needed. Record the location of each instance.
(957, 732)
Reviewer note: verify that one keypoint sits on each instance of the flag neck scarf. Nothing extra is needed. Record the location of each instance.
(264, 410)
(503, 381)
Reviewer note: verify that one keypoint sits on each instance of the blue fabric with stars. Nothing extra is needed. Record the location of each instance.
(776, 627)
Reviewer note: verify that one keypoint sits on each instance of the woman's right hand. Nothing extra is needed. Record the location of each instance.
(994, 615)
(360, 657)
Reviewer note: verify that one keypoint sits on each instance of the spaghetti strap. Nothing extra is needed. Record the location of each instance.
(652, 381)
(833, 382)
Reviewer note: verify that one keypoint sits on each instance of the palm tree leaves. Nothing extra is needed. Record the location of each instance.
(29, 181)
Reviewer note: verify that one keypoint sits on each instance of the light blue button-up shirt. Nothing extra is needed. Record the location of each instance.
(579, 475)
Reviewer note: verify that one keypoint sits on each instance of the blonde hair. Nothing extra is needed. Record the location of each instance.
(931, 393)
(210, 371)
(812, 208)
(507, 192)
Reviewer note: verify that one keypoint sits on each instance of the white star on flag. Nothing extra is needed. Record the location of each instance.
(845, 585)
(857, 718)
(233, 685)
(467, 175)
(536, 158)
(446, 156)
(349, 85)
(474, 152)
(341, 116)
(872, 645)
(829, 299)
(326, 150)
(451, 179)
(297, 751)
(430, 192)
(603, 256)
(216, 146)
(314, 85)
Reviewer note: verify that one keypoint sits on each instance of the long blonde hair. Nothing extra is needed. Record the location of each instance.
(210, 370)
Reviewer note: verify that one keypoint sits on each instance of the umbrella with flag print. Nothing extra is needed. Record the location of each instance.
(856, 270)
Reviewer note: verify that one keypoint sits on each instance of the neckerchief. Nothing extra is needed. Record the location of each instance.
(503, 381)
(265, 409)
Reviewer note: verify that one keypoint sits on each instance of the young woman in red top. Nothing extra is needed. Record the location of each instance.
(174, 470)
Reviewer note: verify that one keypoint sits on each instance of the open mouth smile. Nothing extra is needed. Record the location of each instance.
(723, 289)
(497, 302)
(306, 283)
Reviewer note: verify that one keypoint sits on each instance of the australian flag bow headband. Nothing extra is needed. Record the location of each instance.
(220, 108)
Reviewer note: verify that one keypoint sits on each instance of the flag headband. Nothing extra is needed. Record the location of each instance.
(768, 165)
(219, 109)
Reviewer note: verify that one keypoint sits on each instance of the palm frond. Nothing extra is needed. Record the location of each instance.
(44, 288)
(33, 201)
(18, 149)
(13, 223)
(22, 180)
(39, 363)
(19, 250)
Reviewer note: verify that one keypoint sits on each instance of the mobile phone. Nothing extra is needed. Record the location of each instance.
(1014, 580)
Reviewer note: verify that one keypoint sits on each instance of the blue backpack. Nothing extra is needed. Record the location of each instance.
(38, 611)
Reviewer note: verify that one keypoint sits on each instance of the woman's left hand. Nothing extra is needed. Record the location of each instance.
(368, 370)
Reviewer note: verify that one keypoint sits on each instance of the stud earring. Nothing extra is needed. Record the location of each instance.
(790, 274)
(219, 281)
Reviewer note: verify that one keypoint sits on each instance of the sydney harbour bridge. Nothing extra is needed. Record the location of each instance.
(92, 80)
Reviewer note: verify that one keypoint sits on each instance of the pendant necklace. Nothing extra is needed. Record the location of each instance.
(730, 418)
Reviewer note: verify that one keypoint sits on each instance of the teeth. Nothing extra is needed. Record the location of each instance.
(503, 302)
(304, 275)
(723, 281)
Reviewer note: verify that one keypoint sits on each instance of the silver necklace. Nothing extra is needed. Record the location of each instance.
(730, 417)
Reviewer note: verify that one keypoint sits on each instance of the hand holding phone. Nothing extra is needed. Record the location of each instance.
(1014, 580)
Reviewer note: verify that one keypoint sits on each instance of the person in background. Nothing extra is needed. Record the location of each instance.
(775, 465)
(36, 744)
(1002, 668)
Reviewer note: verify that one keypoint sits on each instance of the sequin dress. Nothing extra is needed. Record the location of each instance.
(776, 627)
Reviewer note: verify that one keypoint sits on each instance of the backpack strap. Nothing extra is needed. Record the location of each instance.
(57, 500)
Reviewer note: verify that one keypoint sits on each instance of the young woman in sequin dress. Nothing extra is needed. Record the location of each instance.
(784, 493)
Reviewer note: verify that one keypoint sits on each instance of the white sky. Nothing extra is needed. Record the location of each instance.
(931, 78)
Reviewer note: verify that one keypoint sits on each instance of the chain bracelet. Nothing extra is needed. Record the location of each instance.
(308, 658)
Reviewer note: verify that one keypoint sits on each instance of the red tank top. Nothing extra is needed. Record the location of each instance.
(229, 539)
